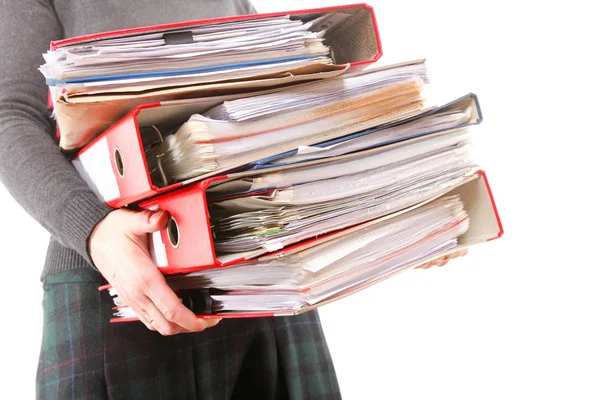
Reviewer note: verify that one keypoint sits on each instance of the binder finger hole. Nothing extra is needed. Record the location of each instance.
(119, 163)
(173, 232)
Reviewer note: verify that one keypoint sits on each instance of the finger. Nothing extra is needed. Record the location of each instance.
(462, 253)
(137, 307)
(210, 322)
(145, 320)
(171, 307)
(146, 221)
(160, 323)
(151, 315)
(441, 262)
(436, 262)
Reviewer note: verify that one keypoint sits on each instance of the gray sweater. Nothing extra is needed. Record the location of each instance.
(32, 168)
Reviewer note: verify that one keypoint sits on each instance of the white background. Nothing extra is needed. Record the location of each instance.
(517, 318)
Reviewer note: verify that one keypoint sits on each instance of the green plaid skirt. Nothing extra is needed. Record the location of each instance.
(85, 357)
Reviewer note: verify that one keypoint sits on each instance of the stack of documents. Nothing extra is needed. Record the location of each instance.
(114, 74)
(297, 204)
(304, 279)
(241, 131)
(302, 228)
(183, 58)
(289, 181)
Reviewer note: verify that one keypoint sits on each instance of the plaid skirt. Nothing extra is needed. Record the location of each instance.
(84, 357)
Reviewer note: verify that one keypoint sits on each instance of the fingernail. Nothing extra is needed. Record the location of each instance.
(155, 217)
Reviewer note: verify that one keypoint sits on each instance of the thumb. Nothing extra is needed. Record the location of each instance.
(147, 221)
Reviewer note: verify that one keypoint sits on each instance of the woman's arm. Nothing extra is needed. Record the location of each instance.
(32, 168)
(47, 186)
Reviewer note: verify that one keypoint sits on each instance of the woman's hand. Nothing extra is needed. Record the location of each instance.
(119, 248)
(440, 262)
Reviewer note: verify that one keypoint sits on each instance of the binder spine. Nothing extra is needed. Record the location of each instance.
(186, 242)
(115, 166)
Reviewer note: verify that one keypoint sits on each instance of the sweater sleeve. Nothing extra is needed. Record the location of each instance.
(249, 8)
(35, 172)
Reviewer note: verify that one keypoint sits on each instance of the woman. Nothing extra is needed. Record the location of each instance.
(82, 355)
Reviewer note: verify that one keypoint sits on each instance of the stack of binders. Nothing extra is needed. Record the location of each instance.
(292, 177)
